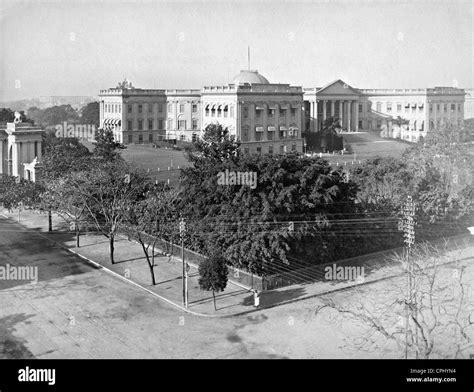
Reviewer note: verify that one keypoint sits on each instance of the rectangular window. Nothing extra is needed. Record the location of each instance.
(293, 147)
(270, 135)
(389, 106)
(379, 124)
(259, 150)
(170, 124)
(129, 125)
(453, 107)
(431, 107)
(140, 125)
(150, 137)
(282, 149)
(182, 124)
(379, 107)
(150, 108)
(459, 107)
(245, 134)
(437, 107)
(270, 112)
(170, 108)
(160, 108)
(399, 107)
(360, 108)
(160, 123)
(246, 111)
(413, 109)
(150, 124)
(181, 107)
(445, 107)
(195, 124)
(140, 138)
(258, 136)
(258, 113)
(129, 108)
(130, 138)
(231, 113)
(140, 108)
(195, 108)
(270, 150)
(282, 112)
(293, 112)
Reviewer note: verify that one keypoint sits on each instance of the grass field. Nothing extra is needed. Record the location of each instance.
(363, 145)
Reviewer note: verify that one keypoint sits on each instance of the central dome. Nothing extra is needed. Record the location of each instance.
(250, 77)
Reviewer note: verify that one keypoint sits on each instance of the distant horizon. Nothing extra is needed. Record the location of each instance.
(76, 48)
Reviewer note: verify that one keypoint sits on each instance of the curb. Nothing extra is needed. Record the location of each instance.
(100, 266)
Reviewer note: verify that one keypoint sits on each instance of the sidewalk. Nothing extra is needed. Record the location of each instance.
(130, 264)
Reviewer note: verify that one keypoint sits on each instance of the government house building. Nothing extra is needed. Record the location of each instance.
(271, 117)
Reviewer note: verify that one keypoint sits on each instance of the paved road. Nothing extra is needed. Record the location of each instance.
(77, 311)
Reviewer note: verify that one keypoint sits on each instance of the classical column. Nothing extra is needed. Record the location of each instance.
(2, 158)
(356, 115)
(348, 116)
(341, 105)
(324, 109)
(426, 125)
(333, 104)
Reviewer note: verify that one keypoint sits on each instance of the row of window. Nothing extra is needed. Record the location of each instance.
(259, 134)
(259, 150)
(220, 111)
(413, 106)
(182, 124)
(116, 108)
(271, 112)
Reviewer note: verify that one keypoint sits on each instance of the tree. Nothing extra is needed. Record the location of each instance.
(249, 225)
(215, 147)
(8, 115)
(107, 193)
(63, 155)
(106, 146)
(151, 219)
(213, 273)
(90, 114)
(431, 317)
(15, 191)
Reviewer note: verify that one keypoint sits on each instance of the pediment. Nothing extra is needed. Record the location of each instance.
(337, 87)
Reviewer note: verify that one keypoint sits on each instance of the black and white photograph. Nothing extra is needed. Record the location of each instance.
(237, 179)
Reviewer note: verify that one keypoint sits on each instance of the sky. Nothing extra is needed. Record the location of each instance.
(75, 48)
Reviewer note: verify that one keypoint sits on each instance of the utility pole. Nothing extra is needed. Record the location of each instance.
(407, 225)
(182, 233)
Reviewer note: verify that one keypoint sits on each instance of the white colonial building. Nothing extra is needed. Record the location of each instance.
(399, 113)
(20, 150)
(270, 118)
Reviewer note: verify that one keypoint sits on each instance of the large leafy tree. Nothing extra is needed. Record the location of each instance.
(249, 224)
(106, 147)
(63, 155)
(90, 114)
